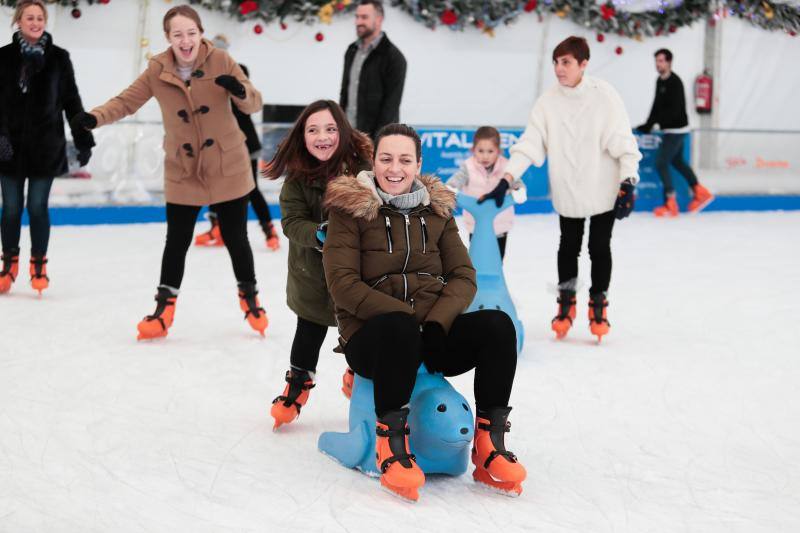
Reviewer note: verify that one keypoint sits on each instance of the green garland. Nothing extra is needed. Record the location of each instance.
(489, 14)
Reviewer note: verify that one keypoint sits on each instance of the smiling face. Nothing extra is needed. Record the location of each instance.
(184, 37)
(368, 22)
(568, 70)
(486, 152)
(321, 134)
(31, 23)
(396, 164)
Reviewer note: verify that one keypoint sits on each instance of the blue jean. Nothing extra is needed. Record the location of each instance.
(671, 153)
(38, 213)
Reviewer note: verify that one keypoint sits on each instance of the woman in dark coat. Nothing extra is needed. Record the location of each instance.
(37, 87)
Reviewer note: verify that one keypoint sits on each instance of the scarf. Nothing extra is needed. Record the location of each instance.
(405, 202)
(32, 58)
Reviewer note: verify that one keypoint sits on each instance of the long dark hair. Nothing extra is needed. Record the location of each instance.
(294, 160)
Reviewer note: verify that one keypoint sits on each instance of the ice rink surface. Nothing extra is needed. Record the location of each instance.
(685, 418)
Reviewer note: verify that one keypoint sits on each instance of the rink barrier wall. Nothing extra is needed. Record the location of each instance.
(82, 216)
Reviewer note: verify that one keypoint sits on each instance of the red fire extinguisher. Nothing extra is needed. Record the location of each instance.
(703, 92)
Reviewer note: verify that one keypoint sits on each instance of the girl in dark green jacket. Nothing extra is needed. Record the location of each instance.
(321, 146)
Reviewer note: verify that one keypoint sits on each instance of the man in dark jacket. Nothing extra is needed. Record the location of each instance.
(669, 112)
(374, 73)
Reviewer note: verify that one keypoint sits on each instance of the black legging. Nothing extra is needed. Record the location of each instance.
(308, 339)
(569, 249)
(387, 350)
(259, 203)
(233, 226)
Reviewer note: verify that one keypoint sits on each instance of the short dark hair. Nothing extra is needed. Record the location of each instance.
(666, 53)
(486, 133)
(577, 47)
(377, 4)
(398, 129)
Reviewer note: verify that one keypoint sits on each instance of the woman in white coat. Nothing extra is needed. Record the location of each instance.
(580, 125)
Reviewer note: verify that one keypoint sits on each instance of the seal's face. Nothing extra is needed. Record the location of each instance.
(443, 422)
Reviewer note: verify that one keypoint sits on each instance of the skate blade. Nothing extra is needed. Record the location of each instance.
(506, 488)
(408, 494)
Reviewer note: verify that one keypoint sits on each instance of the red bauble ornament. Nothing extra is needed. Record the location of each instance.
(479, 24)
(530, 5)
(319, 37)
(104, 1)
(792, 33)
(258, 29)
(600, 37)
(607, 11)
(76, 13)
(618, 50)
(283, 26)
(673, 29)
(448, 17)
(248, 7)
(339, 6)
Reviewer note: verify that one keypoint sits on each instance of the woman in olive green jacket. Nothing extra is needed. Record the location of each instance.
(321, 146)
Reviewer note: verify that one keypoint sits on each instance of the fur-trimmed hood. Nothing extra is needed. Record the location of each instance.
(358, 196)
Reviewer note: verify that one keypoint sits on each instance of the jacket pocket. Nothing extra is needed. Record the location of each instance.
(233, 154)
(173, 164)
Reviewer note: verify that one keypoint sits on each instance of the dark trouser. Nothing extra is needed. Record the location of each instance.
(671, 153)
(38, 212)
(501, 243)
(387, 350)
(233, 226)
(257, 200)
(569, 249)
(308, 338)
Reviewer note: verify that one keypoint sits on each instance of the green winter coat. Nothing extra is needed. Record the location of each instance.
(301, 212)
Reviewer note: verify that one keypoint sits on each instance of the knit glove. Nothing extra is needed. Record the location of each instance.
(625, 199)
(498, 193)
(6, 150)
(84, 156)
(83, 121)
(434, 345)
(231, 84)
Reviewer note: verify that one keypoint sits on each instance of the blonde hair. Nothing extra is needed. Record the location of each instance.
(22, 5)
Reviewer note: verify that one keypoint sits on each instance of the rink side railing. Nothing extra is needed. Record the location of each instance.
(749, 170)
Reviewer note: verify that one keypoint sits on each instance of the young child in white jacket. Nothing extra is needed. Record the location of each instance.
(580, 125)
(482, 176)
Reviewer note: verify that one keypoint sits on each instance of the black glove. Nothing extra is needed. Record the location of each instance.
(434, 345)
(644, 128)
(498, 193)
(84, 156)
(83, 121)
(6, 150)
(625, 200)
(231, 84)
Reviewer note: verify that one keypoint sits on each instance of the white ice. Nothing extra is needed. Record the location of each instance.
(685, 418)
